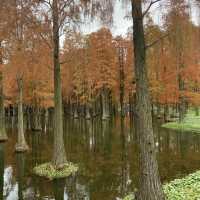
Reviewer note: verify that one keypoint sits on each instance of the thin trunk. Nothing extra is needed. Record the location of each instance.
(87, 112)
(46, 119)
(21, 142)
(121, 77)
(182, 103)
(150, 187)
(166, 113)
(105, 104)
(59, 155)
(36, 119)
(3, 135)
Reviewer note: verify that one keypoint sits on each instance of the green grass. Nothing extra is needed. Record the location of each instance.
(191, 123)
(187, 188)
(47, 170)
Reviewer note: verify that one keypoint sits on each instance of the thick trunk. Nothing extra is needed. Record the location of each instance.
(150, 187)
(3, 135)
(59, 155)
(21, 142)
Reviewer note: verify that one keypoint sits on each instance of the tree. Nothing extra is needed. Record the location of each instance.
(21, 145)
(150, 187)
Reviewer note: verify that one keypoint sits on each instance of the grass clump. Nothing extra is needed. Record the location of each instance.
(191, 123)
(49, 171)
(187, 188)
(129, 197)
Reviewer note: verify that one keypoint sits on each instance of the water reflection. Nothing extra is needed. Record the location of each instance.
(107, 156)
(20, 160)
(59, 189)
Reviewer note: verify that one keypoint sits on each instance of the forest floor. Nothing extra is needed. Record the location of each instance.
(191, 123)
(187, 188)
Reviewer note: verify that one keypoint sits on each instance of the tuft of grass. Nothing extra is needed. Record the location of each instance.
(47, 170)
(191, 123)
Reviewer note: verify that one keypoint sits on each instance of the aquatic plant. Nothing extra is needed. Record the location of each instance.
(49, 171)
(187, 188)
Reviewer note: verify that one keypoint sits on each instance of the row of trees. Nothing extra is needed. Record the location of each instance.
(97, 69)
(99, 73)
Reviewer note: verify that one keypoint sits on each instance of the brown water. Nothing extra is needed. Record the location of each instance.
(107, 157)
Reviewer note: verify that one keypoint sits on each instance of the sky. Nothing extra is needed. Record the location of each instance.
(121, 24)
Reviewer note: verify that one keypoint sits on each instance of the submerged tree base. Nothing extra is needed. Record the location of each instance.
(191, 123)
(187, 188)
(19, 148)
(47, 170)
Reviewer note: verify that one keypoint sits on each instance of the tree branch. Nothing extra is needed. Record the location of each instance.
(150, 5)
(156, 41)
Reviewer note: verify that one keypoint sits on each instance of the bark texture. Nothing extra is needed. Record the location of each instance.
(59, 155)
(150, 187)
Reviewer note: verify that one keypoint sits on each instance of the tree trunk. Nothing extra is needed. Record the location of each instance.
(21, 142)
(166, 113)
(3, 135)
(182, 103)
(59, 155)
(105, 104)
(150, 187)
(121, 77)
(87, 111)
(36, 119)
(46, 119)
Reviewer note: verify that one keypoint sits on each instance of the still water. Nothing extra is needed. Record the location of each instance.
(107, 157)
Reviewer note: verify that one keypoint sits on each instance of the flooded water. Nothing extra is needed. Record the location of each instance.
(107, 157)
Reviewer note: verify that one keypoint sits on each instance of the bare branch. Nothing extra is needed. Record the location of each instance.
(150, 5)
